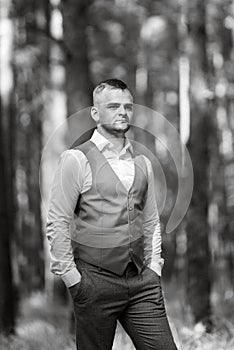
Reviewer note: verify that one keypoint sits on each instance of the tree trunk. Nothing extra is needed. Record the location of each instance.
(198, 252)
(78, 83)
(7, 313)
(226, 162)
(30, 68)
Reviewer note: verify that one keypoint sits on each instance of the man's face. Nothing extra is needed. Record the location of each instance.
(114, 110)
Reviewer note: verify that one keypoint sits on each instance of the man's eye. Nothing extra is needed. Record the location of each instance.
(113, 107)
(129, 108)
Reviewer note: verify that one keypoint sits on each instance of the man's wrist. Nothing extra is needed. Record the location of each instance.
(71, 278)
(157, 266)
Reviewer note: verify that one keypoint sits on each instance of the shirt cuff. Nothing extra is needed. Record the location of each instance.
(157, 266)
(71, 277)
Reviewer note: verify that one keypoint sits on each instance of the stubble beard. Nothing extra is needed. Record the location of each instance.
(113, 130)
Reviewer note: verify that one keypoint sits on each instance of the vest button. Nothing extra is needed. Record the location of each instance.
(130, 208)
(131, 250)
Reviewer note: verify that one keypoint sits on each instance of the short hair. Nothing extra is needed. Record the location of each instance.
(111, 84)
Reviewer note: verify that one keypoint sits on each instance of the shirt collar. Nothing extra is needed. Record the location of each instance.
(101, 142)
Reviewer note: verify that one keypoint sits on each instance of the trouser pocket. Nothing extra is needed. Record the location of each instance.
(80, 293)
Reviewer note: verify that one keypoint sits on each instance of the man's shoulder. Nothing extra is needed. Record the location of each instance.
(86, 147)
(82, 145)
(144, 159)
(72, 155)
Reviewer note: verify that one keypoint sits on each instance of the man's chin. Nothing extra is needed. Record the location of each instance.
(121, 128)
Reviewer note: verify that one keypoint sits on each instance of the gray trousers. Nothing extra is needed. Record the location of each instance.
(135, 300)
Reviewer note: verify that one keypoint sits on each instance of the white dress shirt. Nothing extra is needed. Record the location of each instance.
(73, 177)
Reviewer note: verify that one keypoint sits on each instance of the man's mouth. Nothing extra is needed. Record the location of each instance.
(121, 121)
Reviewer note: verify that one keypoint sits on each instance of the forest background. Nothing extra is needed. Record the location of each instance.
(177, 56)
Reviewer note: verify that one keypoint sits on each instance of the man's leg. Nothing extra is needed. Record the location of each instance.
(145, 317)
(97, 304)
(93, 332)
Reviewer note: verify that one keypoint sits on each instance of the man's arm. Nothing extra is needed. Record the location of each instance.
(151, 226)
(64, 195)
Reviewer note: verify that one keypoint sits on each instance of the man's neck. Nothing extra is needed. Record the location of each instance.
(117, 139)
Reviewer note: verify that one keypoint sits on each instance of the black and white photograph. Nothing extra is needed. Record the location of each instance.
(117, 175)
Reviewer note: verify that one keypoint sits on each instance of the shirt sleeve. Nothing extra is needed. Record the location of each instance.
(65, 191)
(151, 227)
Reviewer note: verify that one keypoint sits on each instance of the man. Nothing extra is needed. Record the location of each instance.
(104, 231)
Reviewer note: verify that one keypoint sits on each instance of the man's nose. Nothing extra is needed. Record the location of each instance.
(122, 110)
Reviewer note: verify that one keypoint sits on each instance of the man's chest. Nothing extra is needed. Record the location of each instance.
(123, 168)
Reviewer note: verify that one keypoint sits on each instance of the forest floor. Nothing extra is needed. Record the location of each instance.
(44, 325)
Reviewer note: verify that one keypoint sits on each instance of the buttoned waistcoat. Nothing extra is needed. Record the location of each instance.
(108, 219)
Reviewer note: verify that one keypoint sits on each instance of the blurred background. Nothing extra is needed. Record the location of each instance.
(177, 56)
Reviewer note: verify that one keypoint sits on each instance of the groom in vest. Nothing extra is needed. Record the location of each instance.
(104, 231)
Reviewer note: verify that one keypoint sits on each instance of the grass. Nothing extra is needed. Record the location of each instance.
(44, 325)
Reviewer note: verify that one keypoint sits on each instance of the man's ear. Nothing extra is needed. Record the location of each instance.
(95, 114)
